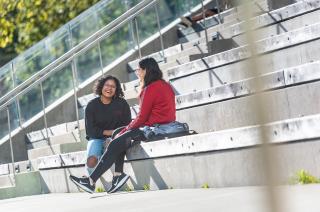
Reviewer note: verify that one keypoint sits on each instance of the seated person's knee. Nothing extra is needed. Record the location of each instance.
(92, 161)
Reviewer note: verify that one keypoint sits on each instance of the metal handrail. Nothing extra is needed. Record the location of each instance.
(74, 52)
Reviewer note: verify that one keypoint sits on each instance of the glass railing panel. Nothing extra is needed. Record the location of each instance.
(41, 55)
(109, 11)
(82, 29)
(169, 10)
(57, 85)
(147, 23)
(117, 44)
(30, 103)
(88, 64)
(3, 123)
(6, 79)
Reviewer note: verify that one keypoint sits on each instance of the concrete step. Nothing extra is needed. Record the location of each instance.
(278, 21)
(282, 51)
(68, 137)
(61, 129)
(277, 52)
(203, 158)
(289, 77)
(26, 184)
(56, 149)
(6, 181)
(239, 112)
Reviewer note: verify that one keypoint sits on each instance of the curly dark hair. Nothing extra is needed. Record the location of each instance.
(153, 72)
(97, 88)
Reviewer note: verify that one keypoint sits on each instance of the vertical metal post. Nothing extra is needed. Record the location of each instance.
(75, 90)
(14, 78)
(75, 83)
(44, 113)
(159, 29)
(100, 57)
(99, 46)
(219, 15)
(137, 36)
(205, 25)
(131, 27)
(10, 141)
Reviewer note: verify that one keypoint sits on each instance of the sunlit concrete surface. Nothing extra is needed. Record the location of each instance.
(241, 199)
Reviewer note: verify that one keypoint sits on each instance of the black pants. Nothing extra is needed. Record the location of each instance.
(115, 153)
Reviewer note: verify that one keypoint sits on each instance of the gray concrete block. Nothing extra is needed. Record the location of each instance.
(66, 137)
(282, 104)
(231, 152)
(275, 80)
(4, 169)
(284, 131)
(25, 184)
(6, 181)
(56, 149)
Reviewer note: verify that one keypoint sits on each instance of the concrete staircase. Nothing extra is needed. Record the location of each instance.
(215, 96)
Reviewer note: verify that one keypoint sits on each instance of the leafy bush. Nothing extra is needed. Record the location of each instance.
(303, 177)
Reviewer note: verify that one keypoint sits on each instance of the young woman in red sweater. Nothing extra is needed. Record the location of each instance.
(157, 106)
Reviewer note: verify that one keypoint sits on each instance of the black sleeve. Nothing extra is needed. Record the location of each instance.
(91, 129)
(126, 119)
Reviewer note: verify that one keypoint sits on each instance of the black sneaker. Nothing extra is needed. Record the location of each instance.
(118, 182)
(83, 183)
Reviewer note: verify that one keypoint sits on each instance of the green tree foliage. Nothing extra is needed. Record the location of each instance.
(25, 22)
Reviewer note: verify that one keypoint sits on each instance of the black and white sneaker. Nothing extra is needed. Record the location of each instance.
(118, 182)
(83, 183)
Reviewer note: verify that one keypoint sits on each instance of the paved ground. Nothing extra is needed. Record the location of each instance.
(244, 199)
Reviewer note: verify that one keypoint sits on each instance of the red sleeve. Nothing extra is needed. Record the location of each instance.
(146, 103)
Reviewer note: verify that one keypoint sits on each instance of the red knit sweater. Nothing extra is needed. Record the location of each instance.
(157, 106)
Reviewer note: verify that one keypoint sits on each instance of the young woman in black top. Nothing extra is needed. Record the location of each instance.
(103, 115)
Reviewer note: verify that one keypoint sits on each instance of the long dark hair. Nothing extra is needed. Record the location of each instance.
(97, 88)
(153, 72)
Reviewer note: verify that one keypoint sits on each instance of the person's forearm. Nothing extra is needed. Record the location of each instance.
(107, 132)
